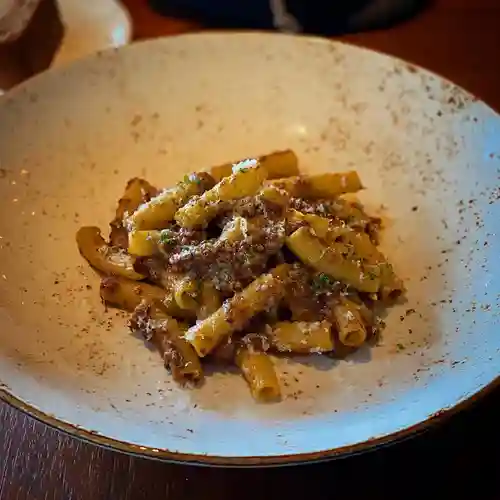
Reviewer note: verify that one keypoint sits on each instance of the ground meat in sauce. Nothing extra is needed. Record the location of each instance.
(154, 330)
(172, 358)
(181, 237)
(141, 322)
(294, 225)
(151, 267)
(251, 207)
(325, 208)
(230, 266)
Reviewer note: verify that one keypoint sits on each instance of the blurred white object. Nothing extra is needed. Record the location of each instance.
(282, 19)
(92, 25)
(14, 15)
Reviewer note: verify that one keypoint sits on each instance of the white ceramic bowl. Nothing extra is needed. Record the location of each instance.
(89, 26)
(427, 151)
(92, 25)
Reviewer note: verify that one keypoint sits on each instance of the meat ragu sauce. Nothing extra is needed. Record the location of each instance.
(231, 265)
(250, 260)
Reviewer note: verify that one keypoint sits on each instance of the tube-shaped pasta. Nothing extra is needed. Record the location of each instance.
(178, 354)
(350, 326)
(258, 370)
(245, 181)
(390, 285)
(301, 337)
(127, 295)
(143, 243)
(275, 195)
(210, 300)
(327, 259)
(262, 294)
(161, 209)
(167, 335)
(326, 229)
(136, 192)
(278, 164)
(363, 247)
(185, 290)
(351, 213)
(329, 185)
(109, 260)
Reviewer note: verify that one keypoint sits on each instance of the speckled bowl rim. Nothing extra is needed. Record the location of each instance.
(246, 461)
(90, 437)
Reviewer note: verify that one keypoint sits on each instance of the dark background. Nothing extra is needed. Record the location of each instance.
(458, 457)
(459, 39)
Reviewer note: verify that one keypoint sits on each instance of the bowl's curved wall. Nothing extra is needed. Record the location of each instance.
(428, 153)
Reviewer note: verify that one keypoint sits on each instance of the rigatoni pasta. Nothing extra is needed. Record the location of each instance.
(320, 186)
(278, 165)
(161, 209)
(244, 263)
(258, 370)
(246, 180)
(236, 312)
(301, 337)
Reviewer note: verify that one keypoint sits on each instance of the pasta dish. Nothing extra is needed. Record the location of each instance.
(242, 263)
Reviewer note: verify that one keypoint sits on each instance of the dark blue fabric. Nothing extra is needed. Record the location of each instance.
(254, 14)
(324, 17)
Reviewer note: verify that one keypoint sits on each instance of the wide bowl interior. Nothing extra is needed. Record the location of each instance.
(427, 152)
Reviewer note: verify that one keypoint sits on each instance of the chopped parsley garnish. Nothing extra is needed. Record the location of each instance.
(192, 178)
(167, 237)
(325, 279)
(243, 169)
(322, 281)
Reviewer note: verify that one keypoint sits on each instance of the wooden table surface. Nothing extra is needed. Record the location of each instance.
(459, 39)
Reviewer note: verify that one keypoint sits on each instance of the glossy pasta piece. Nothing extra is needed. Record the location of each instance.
(351, 213)
(322, 227)
(275, 195)
(301, 337)
(262, 294)
(185, 289)
(109, 260)
(349, 322)
(278, 164)
(127, 295)
(391, 286)
(178, 355)
(137, 191)
(329, 260)
(245, 181)
(329, 185)
(161, 209)
(210, 301)
(143, 243)
(258, 370)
